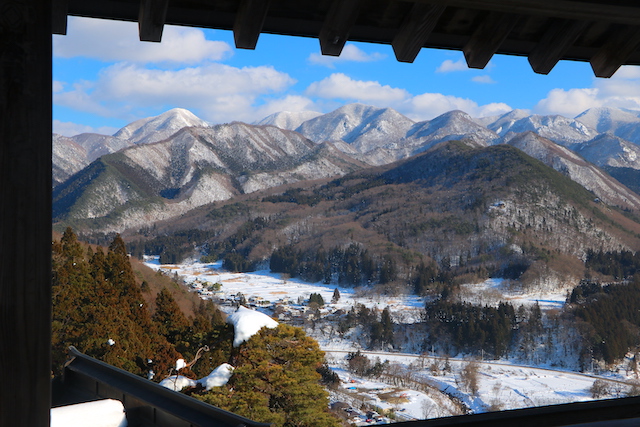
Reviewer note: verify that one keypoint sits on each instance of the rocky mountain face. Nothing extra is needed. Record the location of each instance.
(153, 129)
(196, 166)
(459, 205)
(166, 165)
(71, 154)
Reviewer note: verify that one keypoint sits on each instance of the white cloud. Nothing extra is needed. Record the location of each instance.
(341, 86)
(57, 86)
(429, 105)
(568, 103)
(620, 91)
(449, 66)
(291, 103)
(484, 79)
(350, 52)
(72, 129)
(79, 98)
(108, 40)
(216, 92)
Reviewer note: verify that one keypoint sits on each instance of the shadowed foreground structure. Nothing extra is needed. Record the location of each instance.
(149, 404)
(604, 33)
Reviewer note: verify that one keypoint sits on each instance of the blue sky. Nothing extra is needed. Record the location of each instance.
(104, 78)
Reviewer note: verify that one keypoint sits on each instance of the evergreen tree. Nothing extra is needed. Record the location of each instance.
(170, 320)
(98, 308)
(336, 296)
(276, 381)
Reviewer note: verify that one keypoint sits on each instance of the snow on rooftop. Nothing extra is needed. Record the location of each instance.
(246, 323)
(101, 413)
(218, 377)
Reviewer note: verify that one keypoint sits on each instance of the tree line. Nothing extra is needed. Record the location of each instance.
(99, 307)
(352, 266)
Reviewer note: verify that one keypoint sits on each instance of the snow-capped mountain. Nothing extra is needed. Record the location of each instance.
(98, 145)
(72, 154)
(448, 126)
(619, 122)
(196, 166)
(561, 130)
(289, 120)
(153, 129)
(610, 150)
(363, 126)
(68, 157)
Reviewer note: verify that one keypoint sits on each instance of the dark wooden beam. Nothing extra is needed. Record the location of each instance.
(335, 30)
(618, 48)
(25, 217)
(249, 21)
(560, 36)
(151, 19)
(59, 12)
(580, 10)
(415, 30)
(488, 37)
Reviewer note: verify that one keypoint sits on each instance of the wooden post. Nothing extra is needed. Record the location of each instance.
(25, 212)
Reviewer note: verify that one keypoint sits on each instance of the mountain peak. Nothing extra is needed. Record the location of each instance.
(157, 128)
(351, 122)
(289, 120)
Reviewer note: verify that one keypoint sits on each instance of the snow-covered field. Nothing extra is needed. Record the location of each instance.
(423, 387)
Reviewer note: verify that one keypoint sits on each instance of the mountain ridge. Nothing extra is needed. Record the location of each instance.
(200, 164)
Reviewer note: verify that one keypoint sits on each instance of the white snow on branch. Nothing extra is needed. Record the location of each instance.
(218, 377)
(177, 382)
(246, 323)
(180, 363)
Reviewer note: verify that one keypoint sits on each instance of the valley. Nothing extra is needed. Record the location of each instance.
(451, 266)
(414, 384)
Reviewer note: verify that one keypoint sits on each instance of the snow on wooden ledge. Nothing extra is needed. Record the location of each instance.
(101, 413)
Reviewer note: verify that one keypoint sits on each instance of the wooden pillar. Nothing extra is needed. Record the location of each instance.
(25, 212)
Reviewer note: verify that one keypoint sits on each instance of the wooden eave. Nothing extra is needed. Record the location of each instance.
(605, 33)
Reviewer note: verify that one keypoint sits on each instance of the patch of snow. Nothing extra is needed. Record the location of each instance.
(101, 413)
(246, 323)
(180, 363)
(177, 382)
(218, 377)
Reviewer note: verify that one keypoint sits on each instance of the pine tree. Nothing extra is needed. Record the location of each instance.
(98, 308)
(276, 381)
(170, 320)
(336, 296)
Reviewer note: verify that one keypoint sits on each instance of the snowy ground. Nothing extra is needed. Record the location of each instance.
(427, 391)
(493, 291)
(270, 287)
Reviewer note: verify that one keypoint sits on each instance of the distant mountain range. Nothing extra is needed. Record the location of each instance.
(161, 167)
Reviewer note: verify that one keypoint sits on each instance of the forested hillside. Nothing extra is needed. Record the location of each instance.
(99, 307)
(456, 211)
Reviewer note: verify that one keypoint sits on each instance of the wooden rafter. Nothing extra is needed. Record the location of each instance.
(248, 23)
(335, 30)
(487, 38)
(59, 10)
(560, 36)
(618, 48)
(415, 30)
(151, 19)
